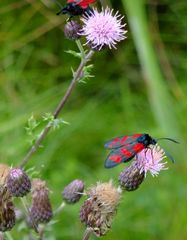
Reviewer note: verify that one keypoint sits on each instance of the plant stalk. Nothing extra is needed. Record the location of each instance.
(76, 77)
(88, 232)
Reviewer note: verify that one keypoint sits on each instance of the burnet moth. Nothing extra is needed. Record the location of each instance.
(77, 7)
(126, 147)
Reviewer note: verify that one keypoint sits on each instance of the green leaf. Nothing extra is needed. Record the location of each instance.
(86, 73)
(75, 54)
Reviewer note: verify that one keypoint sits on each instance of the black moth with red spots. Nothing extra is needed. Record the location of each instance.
(125, 148)
(77, 7)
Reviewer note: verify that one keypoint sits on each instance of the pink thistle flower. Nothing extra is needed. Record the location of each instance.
(103, 29)
(150, 159)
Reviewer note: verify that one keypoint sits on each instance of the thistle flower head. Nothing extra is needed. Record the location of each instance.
(73, 191)
(98, 210)
(103, 28)
(150, 160)
(18, 182)
(41, 210)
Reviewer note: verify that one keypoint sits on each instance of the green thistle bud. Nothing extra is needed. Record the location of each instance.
(41, 210)
(73, 191)
(131, 177)
(98, 210)
(18, 183)
(72, 30)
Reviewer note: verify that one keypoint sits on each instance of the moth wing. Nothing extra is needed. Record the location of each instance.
(123, 154)
(82, 3)
(121, 141)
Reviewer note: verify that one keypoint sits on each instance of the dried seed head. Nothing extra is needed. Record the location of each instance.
(18, 182)
(41, 210)
(7, 213)
(4, 171)
(131, 178)
(73, 191)
(98, 210)
(72, 30)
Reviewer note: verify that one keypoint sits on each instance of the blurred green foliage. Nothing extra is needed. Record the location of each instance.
(35, 71)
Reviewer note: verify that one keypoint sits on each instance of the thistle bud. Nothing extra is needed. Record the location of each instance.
(98, 210)
(41, 210)
(7, 213)
(18, 183)
(131, 177)
(73, 191)
(72, 30)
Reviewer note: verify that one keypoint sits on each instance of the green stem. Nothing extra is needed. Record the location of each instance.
(27, 210)
(81, 49)
(88, 232)
(77, 75)
(59, 209)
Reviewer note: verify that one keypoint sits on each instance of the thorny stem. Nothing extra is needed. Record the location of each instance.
(88, 232)
(76, 77)
(41, 232)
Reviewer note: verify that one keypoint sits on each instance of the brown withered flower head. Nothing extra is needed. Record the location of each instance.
(41, 210)
(98, 210)
(7, 213)
(18, 183)
(73, 191)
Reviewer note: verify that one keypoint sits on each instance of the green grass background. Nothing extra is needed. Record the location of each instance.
(140, 87)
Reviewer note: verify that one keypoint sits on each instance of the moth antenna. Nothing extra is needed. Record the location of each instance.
(170, 139)
(169, 155)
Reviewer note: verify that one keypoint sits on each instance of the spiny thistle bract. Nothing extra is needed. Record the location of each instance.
(18, 183)
(73, 191)
(41, 210)
(98, 210)
(131, 178)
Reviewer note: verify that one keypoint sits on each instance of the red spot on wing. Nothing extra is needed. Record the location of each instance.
(113, 142)
(124, 139)
(136, 135)
(138, 147)
(115, 158)
(125, 152)
(82, 3)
